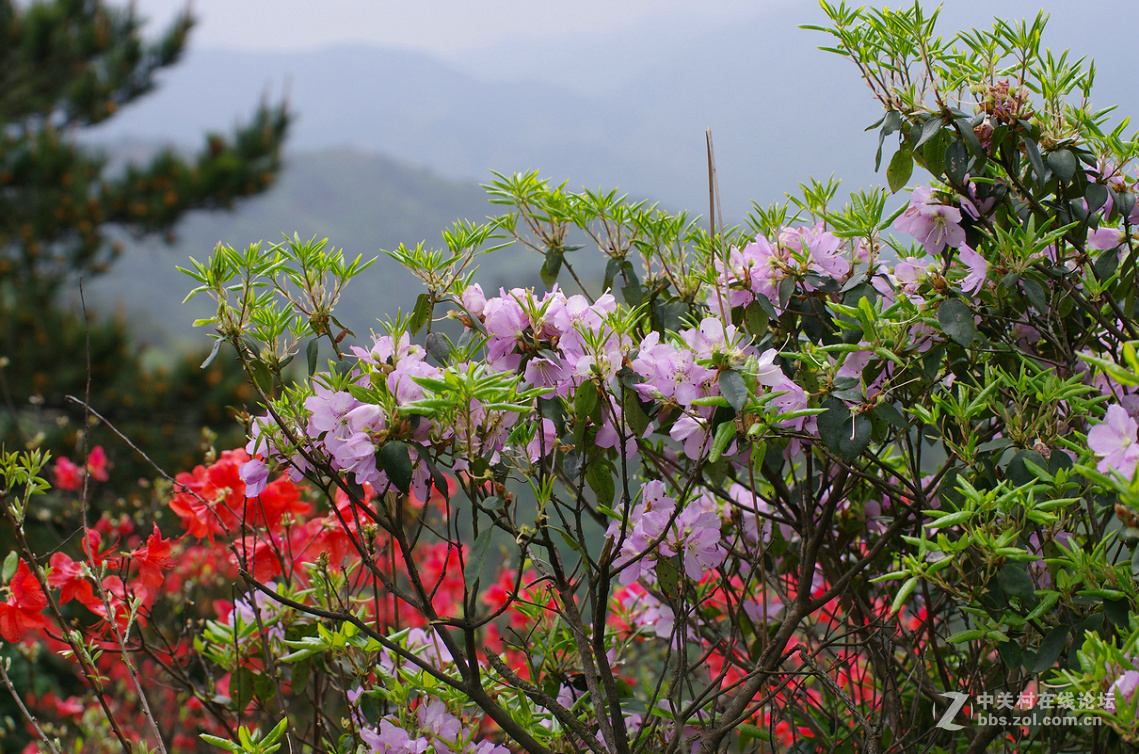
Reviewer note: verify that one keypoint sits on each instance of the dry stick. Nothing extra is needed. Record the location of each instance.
(716, 212)
(119, 638)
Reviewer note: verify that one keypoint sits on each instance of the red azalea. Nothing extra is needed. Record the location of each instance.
(68, 476)
(153, 559)
(91, 544)
(21, 612)
(67, 576)
(279, 497)
(97, 463)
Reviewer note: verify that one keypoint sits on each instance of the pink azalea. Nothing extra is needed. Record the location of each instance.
(1103, 239)
(1116, 441)
(934, 225)
(978, 270)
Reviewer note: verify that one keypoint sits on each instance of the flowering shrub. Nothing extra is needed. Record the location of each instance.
(846, 479)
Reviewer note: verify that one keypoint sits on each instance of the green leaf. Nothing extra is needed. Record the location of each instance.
(1050, 649)
(846, 435)
(733, 387)
(1096, 196)
(213, 354)
(585, 400)
(395, 460)
(1117, 611)
(969, 136)
(748, 732)
(438, 346)
(1106, 264)
(1035, 293)
(476, 559)
(221, 743)
(1063, 164)
(956, 321)
(11, 563)
(956, 162)
(725, 433)
(262, 377)
(755, 319)
(900, 169)
(312, 350)
(1018, 473)
(241, 689)
(421, 313)
(668, 577)
(600, 480)
(931, 128)
(1015, 581)
(903, 594)
(552, 265)
(891, 123)
(933, 152)
(1033, 153)
(635, 416)
(891, 414)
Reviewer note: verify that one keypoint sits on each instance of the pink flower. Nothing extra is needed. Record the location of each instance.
(1103, 239)
(978, 270)
(1115, 441)
(1126, 684)
(934, 225)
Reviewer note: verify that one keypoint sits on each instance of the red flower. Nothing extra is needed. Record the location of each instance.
(21, 612)
(67, 576)
(97, 463)
(68, 476)
(153, 559)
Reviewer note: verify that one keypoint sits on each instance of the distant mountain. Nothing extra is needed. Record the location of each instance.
(626, 109)
(362, 203)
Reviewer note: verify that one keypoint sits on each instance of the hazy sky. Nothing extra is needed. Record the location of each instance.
(439, 26)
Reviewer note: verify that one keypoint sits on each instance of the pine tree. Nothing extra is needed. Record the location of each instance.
(69, 64)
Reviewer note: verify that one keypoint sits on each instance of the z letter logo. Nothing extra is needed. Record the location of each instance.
(946, 721)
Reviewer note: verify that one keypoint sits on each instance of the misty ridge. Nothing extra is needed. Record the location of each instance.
(389, 146)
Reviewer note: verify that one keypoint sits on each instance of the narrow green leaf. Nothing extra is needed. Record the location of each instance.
(213, 354)
(312, 351)
(725, 433)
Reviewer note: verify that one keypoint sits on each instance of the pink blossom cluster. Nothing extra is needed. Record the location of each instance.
(349, 432)
(655, 526)
(434, 726)
(544, 337)
(760, 266)
(678, 372)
